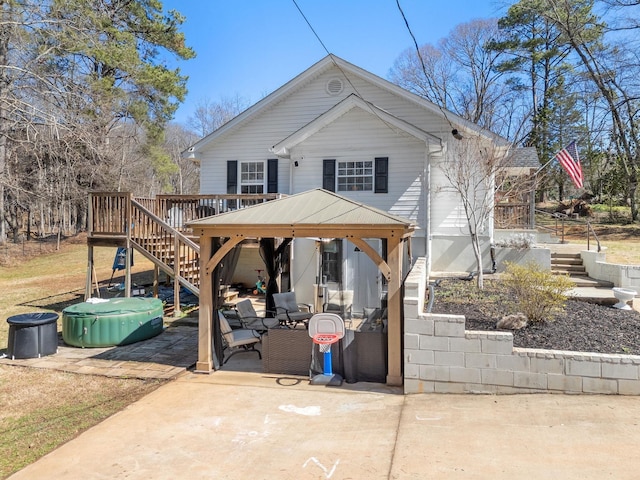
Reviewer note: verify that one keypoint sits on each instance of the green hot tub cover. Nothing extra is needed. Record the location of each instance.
(116, 321)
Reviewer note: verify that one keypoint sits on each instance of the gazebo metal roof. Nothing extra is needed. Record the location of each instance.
(313, 214)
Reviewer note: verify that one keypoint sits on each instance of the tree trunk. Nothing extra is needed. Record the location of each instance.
(475, 243)
(5, 12)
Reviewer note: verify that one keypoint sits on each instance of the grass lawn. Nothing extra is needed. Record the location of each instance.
(42, 409)
(621, 242)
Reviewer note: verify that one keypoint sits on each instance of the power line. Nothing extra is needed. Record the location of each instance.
(424, 68)
(311, 27)
(333, 60)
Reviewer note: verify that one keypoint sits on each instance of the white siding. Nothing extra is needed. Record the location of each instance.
(357, 135)
(447, 212)
(361, 136)
(251, 141)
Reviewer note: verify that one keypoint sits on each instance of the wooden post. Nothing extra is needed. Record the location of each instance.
(88, 286)
(127, 275)
(94, 276)
(205, 311)
(394, 311)
(127, 226)
(156, 280)
(176, 274)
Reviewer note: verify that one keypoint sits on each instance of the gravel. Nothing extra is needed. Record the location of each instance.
(581, 326)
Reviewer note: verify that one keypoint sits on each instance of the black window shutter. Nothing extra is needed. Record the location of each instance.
(382, 175)
(232, 176)
(329, 175)
(272, 175)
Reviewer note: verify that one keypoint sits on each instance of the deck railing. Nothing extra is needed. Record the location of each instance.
(513, 215)
(156, 226)
(110, 213)
(177, 210)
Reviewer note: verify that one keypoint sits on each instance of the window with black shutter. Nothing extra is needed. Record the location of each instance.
(382, 175)
(232, 176)
(329, 174)
(272, 175)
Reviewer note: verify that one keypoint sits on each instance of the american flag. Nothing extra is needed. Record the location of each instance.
(568, 158)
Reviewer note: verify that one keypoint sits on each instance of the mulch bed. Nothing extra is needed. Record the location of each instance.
(581, 326)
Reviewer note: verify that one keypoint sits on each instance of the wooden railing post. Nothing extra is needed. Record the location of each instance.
(176, 274)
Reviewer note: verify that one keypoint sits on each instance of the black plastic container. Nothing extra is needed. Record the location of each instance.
(32, 335)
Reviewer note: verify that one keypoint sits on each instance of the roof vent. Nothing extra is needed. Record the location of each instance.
(335, 86)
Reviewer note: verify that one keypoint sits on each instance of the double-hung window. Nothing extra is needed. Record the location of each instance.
(252, 177)
(355, 176)
(361, 175)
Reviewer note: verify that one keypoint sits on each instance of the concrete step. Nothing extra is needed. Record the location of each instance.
(566, 261)
(586, 282)
(571, 274)
(570, 269)
(565, 255)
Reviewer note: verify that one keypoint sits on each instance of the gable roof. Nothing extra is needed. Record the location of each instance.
(316, 210)
(524, 157)
(326, 63)
(352, 101)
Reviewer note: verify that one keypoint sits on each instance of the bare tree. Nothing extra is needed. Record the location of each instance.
(187, 177)
(460, 74)
(475, 170)
(428, 74)
(480, 88)
(210, 115)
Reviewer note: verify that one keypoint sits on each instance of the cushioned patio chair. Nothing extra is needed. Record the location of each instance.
(289, 311)
(239, 340)
(340, 302)
(250, 319)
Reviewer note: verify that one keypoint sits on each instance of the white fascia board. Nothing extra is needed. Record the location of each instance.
(267, 101)
(459, 122)
(335, 112)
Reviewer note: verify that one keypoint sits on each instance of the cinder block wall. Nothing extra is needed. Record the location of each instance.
(441, 356)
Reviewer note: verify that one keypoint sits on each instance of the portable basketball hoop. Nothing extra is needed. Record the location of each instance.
(325, 329)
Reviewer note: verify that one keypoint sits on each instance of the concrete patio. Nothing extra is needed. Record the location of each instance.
(238, 425)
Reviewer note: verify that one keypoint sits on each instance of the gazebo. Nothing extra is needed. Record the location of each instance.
(313, 214)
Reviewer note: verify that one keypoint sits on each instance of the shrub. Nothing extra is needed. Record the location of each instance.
(535, 291)
(521, 241)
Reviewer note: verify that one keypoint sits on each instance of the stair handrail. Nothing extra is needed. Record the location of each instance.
(177, 239)
(564, 217)
(595, 236)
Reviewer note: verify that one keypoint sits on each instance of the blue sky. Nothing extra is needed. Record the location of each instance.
(250, 48)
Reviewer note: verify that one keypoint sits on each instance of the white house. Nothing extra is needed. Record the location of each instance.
(338, 127)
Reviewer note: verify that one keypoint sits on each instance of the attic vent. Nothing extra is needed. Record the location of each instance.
(334, 86)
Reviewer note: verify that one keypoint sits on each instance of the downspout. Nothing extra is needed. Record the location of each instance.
(290, 176)
(426, 175)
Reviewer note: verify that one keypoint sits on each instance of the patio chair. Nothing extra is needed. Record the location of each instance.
(289, 311)
(250, 319)
(340, 302)
(238, 340)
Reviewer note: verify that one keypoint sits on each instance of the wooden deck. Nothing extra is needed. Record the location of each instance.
(156, 229)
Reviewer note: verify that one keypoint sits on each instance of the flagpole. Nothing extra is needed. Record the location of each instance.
(545, 165)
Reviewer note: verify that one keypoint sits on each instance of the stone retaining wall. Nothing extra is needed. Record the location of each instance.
(627, 276)
(441, 356)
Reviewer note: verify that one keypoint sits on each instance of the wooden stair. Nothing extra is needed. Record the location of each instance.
(163, 250)
(571, 264)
